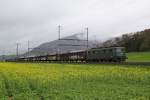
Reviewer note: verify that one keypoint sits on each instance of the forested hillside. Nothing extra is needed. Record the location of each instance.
(134, 42)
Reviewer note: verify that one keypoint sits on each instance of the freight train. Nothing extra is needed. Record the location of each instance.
(110, 54)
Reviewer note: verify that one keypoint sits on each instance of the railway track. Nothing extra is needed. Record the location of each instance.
(73, 62)
(113, 63)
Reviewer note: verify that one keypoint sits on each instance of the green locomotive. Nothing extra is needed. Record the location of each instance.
(116, 54)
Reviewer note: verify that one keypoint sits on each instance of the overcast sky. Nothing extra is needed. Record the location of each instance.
(37, 20)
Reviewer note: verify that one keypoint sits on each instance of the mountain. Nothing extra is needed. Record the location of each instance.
(66, 44)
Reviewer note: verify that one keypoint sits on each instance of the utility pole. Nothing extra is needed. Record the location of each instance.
(17, 50)
(28, 47)
(95, 41)
(87, 34)
(58, 49)
(59, 32)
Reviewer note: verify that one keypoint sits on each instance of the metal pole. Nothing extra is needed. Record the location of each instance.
(58, 50)
(87, 38)
(59, 32)
(17, 50)
(28, 47)
(95, 40)
(87, 30)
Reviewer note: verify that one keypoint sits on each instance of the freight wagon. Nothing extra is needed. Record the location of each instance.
(111, 54)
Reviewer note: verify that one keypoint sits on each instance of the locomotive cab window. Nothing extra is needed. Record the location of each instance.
(119, 50)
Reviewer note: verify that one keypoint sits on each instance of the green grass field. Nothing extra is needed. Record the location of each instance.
(29, 81)
(139, 56)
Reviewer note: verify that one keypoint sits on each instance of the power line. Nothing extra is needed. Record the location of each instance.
(70, 45)
(73, 39)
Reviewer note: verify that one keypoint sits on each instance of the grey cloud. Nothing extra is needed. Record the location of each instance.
(37, 20)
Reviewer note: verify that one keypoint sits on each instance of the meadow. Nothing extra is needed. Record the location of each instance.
(139, 56)
(45, 81)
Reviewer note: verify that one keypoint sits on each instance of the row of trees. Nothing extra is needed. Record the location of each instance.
(134, 42)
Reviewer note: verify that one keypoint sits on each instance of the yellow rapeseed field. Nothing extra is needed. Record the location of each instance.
(45, 81)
